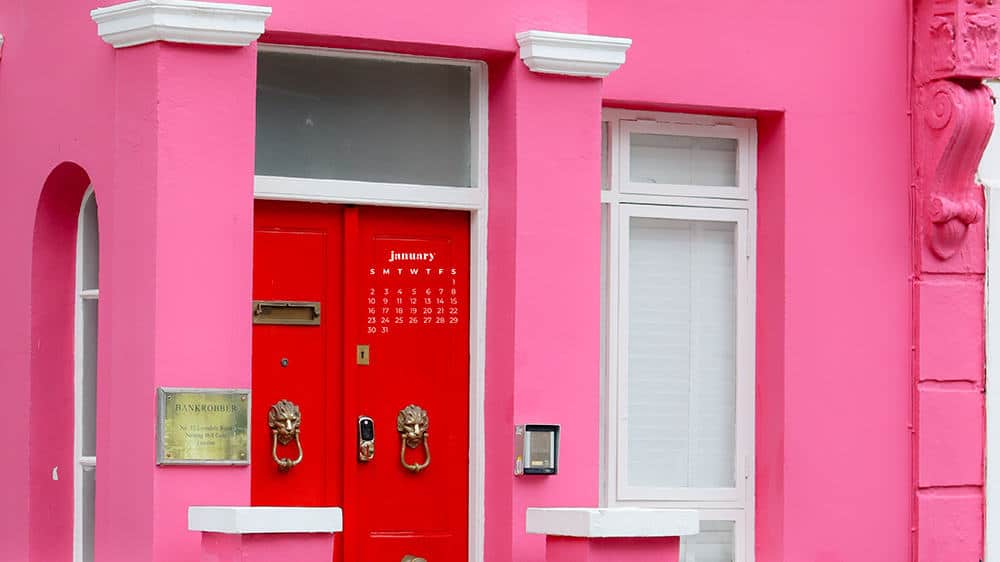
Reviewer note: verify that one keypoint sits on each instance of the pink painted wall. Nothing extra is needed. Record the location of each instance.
(43, 127)
(834, 322)
(301, 547)
(137, 123)
(576, 549)
(827, 82)
(182, 207)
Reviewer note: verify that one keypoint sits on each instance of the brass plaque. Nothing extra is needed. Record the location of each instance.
(202, 426)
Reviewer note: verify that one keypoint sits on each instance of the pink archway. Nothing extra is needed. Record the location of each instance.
(50, 456)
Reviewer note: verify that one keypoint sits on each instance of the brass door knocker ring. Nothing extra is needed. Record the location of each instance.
(411, 423)
(284, 420)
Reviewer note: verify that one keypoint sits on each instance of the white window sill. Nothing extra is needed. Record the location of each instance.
(254, 520)
(612, 522)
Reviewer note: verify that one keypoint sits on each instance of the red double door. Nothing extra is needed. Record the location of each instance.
(388, 293)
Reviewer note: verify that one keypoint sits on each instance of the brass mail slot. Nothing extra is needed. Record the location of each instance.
(286, 313)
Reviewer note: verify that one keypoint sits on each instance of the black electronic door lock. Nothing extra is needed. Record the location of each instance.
(366, 438)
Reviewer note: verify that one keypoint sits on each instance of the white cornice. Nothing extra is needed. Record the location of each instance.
(180, 21)
(572, 54)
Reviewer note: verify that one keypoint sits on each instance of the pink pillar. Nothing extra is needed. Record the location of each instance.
(952, 120)
(266, 547)
(631, 549)
(175, 283)
(543, 314)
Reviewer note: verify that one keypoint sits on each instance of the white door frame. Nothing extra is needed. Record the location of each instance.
(472, 199)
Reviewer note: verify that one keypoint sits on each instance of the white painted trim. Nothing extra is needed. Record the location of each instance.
(1, 45)
(572, 54)
(616, 114)
(363, 54)
(611, 522)
(675, 201)
(180, 21)
(989, 175)
(366, 193)
(473, 199)
(253, 520)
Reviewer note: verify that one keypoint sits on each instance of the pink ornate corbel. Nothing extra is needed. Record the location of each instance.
(956, 125)
(950, 220)
(956, 47)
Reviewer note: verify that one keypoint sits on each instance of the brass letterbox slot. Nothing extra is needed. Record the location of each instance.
(286, 313)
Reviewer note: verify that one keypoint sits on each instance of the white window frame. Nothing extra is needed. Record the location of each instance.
(81, 463)
(466, 198)
(739, 218)
(395, 194)
(622, 199)
(717, 131)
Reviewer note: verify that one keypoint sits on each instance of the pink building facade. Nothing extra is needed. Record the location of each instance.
(734, 250)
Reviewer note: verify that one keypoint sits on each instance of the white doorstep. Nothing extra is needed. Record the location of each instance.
(612, 522)
(249, 520)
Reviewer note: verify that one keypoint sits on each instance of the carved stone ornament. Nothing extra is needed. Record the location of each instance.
(956, 39)
(955, 47)
(956, 125)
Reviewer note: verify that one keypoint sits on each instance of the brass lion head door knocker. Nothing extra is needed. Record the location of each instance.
(284, 420)
(411, 423)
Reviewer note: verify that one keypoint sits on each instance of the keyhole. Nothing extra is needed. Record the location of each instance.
(284, 361)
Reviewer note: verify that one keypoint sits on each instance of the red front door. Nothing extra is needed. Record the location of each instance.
(370, 317)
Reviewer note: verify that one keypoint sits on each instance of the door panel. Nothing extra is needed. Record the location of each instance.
(298, 256)
(414, 264)
(397, 281)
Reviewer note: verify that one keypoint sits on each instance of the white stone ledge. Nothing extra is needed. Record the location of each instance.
(254, 520)
(572, 54)
(180, 21)
(612, 522)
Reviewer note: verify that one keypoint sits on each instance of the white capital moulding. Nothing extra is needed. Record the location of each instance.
(258, 520)
(572, 54)
(612, 522)
(180, 21)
